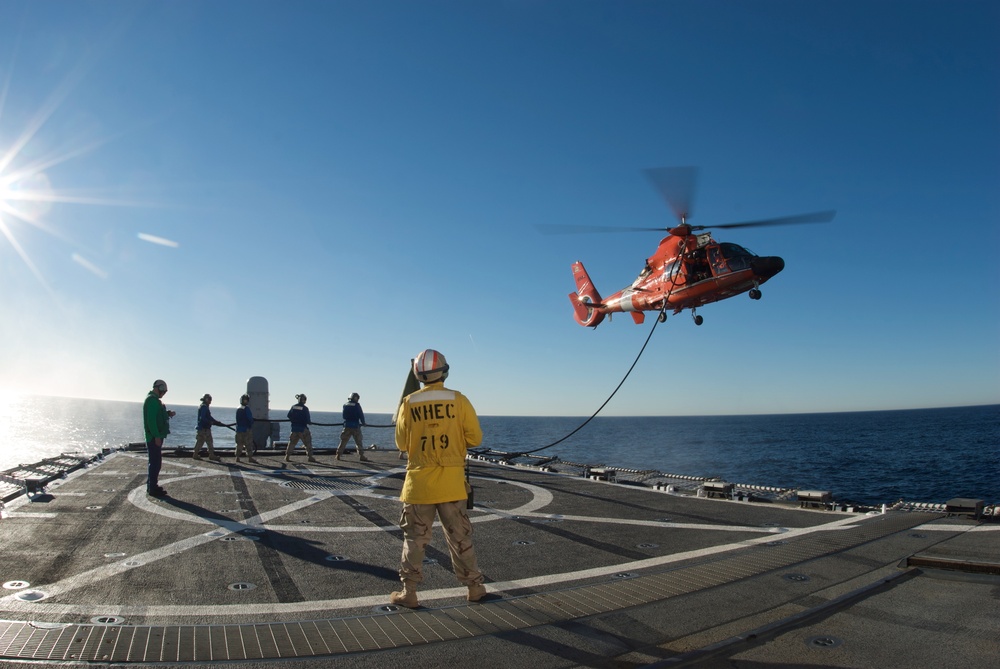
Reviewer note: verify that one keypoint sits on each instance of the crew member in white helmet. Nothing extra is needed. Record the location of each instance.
(434, 427)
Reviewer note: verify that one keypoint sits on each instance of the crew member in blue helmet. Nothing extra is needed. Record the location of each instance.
(299, 418)
(354, 418)
(204, 436)
(244, 425)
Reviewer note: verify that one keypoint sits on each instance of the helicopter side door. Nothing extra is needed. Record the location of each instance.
(716, 260)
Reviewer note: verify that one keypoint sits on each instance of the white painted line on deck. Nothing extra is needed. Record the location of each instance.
(932, 527)
(169, 550)
(547, 580)
(648, 523)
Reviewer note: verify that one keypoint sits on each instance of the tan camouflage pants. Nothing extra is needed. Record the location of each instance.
(244, 440)
(204, 437)
(346, 435)
(307, 441)
(417, 521)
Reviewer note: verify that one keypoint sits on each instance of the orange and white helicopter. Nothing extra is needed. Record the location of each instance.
(688, 269)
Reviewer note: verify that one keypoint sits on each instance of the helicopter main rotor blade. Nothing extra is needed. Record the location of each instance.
(814, 217)
(556, 229)
(677, 186)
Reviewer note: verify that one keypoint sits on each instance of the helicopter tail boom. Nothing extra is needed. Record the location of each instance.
(586, 300)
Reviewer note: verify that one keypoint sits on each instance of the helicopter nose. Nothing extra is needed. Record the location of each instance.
(767, 266)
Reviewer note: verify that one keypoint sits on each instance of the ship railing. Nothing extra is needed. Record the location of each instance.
(31, 479)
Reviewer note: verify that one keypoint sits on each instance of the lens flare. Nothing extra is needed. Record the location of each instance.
(27, 194)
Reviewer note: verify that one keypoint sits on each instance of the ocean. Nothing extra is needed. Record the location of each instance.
(919, 455)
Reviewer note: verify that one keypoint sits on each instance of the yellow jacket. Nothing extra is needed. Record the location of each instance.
(434, 427)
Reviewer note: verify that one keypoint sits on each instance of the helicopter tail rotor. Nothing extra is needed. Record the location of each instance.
(586, 300)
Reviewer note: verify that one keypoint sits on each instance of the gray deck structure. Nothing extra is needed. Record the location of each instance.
(252, 565)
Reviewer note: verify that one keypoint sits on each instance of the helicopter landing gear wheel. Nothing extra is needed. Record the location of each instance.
(755, 294)
(662, 317)
(698, 320)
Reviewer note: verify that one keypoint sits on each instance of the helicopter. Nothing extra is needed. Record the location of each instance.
(689, 268)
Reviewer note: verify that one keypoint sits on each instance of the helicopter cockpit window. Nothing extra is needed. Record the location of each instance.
(730, 250)
(737, 257)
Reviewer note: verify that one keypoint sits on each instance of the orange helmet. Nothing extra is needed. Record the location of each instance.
(430, 366)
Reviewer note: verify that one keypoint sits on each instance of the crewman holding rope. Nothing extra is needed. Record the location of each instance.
(354, 418)
(204, 435)
(244, 430)
(299, 418)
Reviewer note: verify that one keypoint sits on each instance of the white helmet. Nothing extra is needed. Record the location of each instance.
(430, 366)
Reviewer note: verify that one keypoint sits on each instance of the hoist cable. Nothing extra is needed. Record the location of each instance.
(659, 319)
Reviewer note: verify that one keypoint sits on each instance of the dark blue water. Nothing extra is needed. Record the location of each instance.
(925, 455)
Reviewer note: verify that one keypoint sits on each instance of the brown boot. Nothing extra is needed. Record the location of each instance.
(407, 597)
(476, 592)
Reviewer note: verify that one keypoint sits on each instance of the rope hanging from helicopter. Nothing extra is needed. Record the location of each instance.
(659, 319)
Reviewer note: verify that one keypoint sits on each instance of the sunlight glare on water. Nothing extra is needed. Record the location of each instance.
(16, 417)
(7, 410)
(32, 428)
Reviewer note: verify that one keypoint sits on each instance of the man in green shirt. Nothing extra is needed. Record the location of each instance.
(156, 422)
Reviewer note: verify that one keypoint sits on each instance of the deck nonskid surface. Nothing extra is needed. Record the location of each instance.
(234, 541)
(296, 560)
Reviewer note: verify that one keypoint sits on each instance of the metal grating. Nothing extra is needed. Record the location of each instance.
(328, 484)
(208, 643)
(954, 564)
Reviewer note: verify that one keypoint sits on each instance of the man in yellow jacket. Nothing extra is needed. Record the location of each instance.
(434, 427)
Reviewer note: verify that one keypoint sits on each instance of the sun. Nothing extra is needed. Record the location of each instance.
(27, 194)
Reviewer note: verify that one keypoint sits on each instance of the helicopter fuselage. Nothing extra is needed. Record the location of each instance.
(685, 272)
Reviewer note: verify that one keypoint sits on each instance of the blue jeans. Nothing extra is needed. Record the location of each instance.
(155, 462)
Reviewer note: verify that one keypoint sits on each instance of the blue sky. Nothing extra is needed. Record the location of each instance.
(343, 184)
